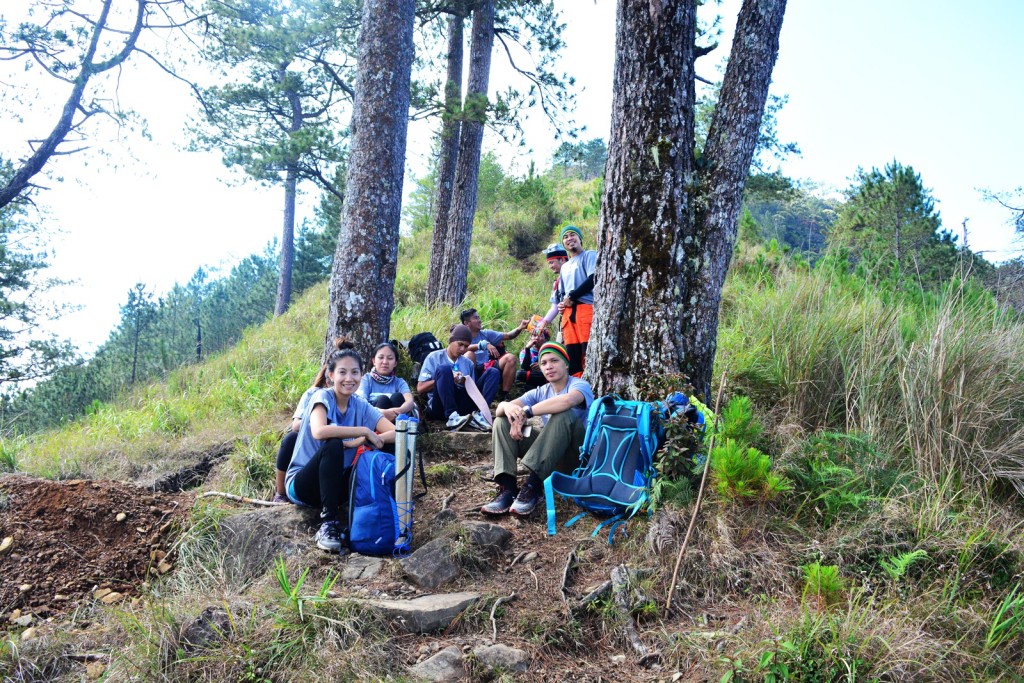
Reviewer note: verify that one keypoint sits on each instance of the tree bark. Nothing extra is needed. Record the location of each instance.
(363, 275)
(455, 261)
(668, 224)
(284, 280)
(448, 154)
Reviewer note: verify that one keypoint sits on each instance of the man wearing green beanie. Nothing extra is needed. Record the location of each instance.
(563, 404)
(574, 298)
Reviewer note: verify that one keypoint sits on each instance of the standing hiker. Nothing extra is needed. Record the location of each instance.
(575, 298)
(335, 423)
(556, 256)
(562, 403)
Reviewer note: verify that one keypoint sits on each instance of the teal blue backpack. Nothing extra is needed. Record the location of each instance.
(616, 463)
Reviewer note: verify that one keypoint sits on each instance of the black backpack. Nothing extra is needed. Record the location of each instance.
(422, 345)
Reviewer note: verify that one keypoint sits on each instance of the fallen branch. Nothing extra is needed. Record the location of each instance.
(700, 496)
(570, 565)
(448, 499)
(242, 499)
(494, 608)
(620, 592)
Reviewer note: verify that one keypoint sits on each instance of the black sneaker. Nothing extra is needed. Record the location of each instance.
(329, 537)
(501, 503)
(526, 501)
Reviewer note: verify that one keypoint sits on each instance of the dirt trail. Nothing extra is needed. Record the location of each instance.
(68, 538)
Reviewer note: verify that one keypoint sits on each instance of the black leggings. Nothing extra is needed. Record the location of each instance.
(395, 400)
(323, 481)
(284, 453)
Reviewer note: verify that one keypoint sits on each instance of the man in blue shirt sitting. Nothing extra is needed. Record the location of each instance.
(443, 380)
(488, 345)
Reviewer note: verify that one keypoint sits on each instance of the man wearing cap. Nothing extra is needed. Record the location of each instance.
(563, 404)
(556, 255)
(443, 380)
(575, 297)
(489, 345)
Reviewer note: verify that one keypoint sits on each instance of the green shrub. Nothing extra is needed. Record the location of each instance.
(744, 473)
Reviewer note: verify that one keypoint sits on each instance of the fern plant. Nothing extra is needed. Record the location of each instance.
(897, 565)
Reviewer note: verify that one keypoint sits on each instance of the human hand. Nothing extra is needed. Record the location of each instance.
(373, 438)
(354, 443)
(390, 413)
(459, 378)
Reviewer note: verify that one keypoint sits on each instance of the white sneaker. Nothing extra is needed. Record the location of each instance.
(478, 423)
(457, 422)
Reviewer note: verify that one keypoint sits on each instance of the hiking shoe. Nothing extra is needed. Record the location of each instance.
(478, 423)
(457, 422)
(329, 537)
(526, 501)
(501, 503)
(279, 498)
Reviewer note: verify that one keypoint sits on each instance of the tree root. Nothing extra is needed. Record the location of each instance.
(621, 578)
(494, 622)
(242, 499)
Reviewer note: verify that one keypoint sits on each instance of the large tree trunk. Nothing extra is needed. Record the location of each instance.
(284, 281)
(455, 262)
(363, 276)
(666, 229)
(448, 153)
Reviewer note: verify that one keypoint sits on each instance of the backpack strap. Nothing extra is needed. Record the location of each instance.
(549, 503)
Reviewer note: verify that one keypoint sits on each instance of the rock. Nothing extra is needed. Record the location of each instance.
(164, 567)
(250, 541)
(214, 624)
(432, 566)
(530, 557)
(25, 587)
(121, 517)
(59, 597)
(23, 620)
(446, 665)
(6, 545)
(676, 676)
(101, 593)
(424, 614)
(487, 535)
(111, 598)
(360, 567)
(16, 614)
(503, 657)
(618, 659)
(94, 670)
(29, 633)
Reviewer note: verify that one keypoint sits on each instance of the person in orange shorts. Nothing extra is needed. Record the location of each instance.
(575, 298)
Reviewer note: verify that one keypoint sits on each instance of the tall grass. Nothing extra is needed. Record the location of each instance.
(936, 382)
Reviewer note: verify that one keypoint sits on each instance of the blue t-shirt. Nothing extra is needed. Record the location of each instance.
(370, 389)
(491, 337)
(358, 414)
(439, 359)
(303, 402)
(574, 273)
(535, 396)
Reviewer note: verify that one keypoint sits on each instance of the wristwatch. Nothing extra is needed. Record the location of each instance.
(528, 411)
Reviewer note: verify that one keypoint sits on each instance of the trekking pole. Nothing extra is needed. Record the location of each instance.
(401, 457)
(700, 496)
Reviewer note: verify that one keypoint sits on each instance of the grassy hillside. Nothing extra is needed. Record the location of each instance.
(862, 521)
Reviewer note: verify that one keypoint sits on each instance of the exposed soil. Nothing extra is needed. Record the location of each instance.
(67, 541)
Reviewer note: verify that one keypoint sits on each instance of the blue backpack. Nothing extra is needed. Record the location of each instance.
(373, 527)
(616, 462)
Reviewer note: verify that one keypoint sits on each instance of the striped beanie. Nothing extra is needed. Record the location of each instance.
(554, 347)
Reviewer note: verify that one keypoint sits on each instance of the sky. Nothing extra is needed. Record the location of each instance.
(930, 83)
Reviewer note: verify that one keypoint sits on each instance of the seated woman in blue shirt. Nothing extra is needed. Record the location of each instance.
(382, 388)
(335, 423)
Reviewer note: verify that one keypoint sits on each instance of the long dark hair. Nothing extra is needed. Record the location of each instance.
(343, 348)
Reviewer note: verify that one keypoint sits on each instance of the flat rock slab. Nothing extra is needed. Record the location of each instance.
(251, 540)
(424, 614)
(360, 567)
(502, 657)
(446, 665)
(432, 566)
